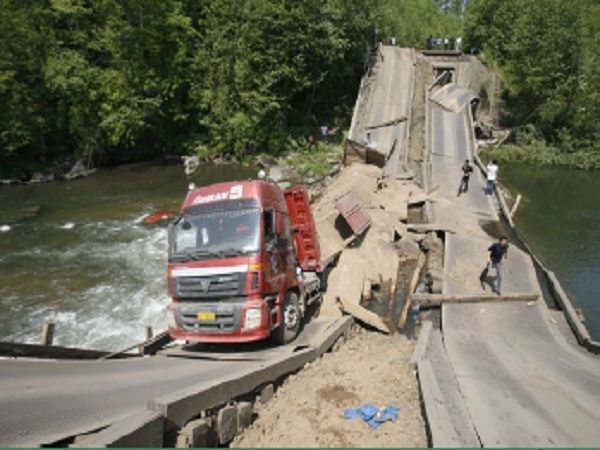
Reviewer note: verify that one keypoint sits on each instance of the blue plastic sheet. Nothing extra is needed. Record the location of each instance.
(372, 415)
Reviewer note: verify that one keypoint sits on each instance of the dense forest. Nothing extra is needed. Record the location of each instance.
(117, 76)
(121, 78)
(548, 54)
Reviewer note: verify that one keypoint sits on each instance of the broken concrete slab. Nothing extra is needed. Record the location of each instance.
(196, 434)
(421, 348)
(365, 316)
(440, 426)
(266, 393)
(428, 227)
(226, 424)
(244, 415)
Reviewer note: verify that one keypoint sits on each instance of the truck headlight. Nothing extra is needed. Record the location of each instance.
(252, 318)
(171, 321)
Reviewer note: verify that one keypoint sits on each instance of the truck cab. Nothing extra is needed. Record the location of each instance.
(234, 274)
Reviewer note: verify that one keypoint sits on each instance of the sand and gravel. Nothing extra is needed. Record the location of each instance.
(307, 410)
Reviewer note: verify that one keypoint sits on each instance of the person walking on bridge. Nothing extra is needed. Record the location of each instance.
(492, 176)
(498, 252)
(467, 170)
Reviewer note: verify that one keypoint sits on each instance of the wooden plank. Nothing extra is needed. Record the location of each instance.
(387, 123)
(436, 300)
(153, 345)
(411, 288)
(145, 348)
(16, 350)
(47, 334)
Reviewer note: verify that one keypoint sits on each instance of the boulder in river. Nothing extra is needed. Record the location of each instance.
(78, 171)
(190, 164)
(39, 177)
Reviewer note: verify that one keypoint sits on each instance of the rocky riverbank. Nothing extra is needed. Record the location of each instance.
(314, 168)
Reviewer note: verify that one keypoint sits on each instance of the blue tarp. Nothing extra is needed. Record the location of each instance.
(372, 415)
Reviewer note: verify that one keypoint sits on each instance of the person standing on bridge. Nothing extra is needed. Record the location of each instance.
(492, 176)
(368, 142)
(498, 252)
(393, 40)
(467, 170)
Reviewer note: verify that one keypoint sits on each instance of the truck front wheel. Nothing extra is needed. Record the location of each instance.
(291, 317)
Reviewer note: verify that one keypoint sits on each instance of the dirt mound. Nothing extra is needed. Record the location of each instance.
(307, 411)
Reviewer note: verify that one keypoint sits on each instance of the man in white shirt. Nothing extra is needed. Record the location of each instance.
(492, 176)
(393, 41)
(324, 133)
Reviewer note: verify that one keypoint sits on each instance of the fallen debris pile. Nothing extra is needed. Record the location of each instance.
(364, 279)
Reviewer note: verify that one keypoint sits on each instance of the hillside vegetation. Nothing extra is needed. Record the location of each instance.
(548, 53)
(119, 76)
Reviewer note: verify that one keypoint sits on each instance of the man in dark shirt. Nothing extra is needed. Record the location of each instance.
(498, 252)
(467, 170)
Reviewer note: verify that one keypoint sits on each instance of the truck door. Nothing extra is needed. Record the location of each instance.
(273, 264)
(279, 259)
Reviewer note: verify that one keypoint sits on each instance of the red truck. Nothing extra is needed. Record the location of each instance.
(244, 263)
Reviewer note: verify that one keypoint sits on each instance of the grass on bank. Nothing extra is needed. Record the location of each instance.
(535, 151)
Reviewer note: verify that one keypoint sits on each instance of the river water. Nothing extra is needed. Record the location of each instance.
(559, 217)
(78, 255)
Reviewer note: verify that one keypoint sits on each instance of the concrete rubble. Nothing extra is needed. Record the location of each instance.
(373, 258)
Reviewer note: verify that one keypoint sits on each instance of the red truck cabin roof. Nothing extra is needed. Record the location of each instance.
(268, 195)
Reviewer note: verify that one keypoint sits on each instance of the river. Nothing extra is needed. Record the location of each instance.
(78, 254)
(560, 218)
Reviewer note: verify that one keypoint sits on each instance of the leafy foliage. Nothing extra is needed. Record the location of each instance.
(94, 76)
(549, 55)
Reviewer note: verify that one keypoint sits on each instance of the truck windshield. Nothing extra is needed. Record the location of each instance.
(217, 234)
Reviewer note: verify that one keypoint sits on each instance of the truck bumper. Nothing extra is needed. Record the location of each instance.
(219, 322)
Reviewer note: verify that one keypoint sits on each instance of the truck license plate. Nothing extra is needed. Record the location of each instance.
(207, 316)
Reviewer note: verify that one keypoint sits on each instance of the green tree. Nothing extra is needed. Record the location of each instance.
(548, 53)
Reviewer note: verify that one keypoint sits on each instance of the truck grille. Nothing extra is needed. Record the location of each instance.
(215, 287)
(227, 318)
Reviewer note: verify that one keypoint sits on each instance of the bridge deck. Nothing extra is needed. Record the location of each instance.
(522, 383)
(44, 401)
